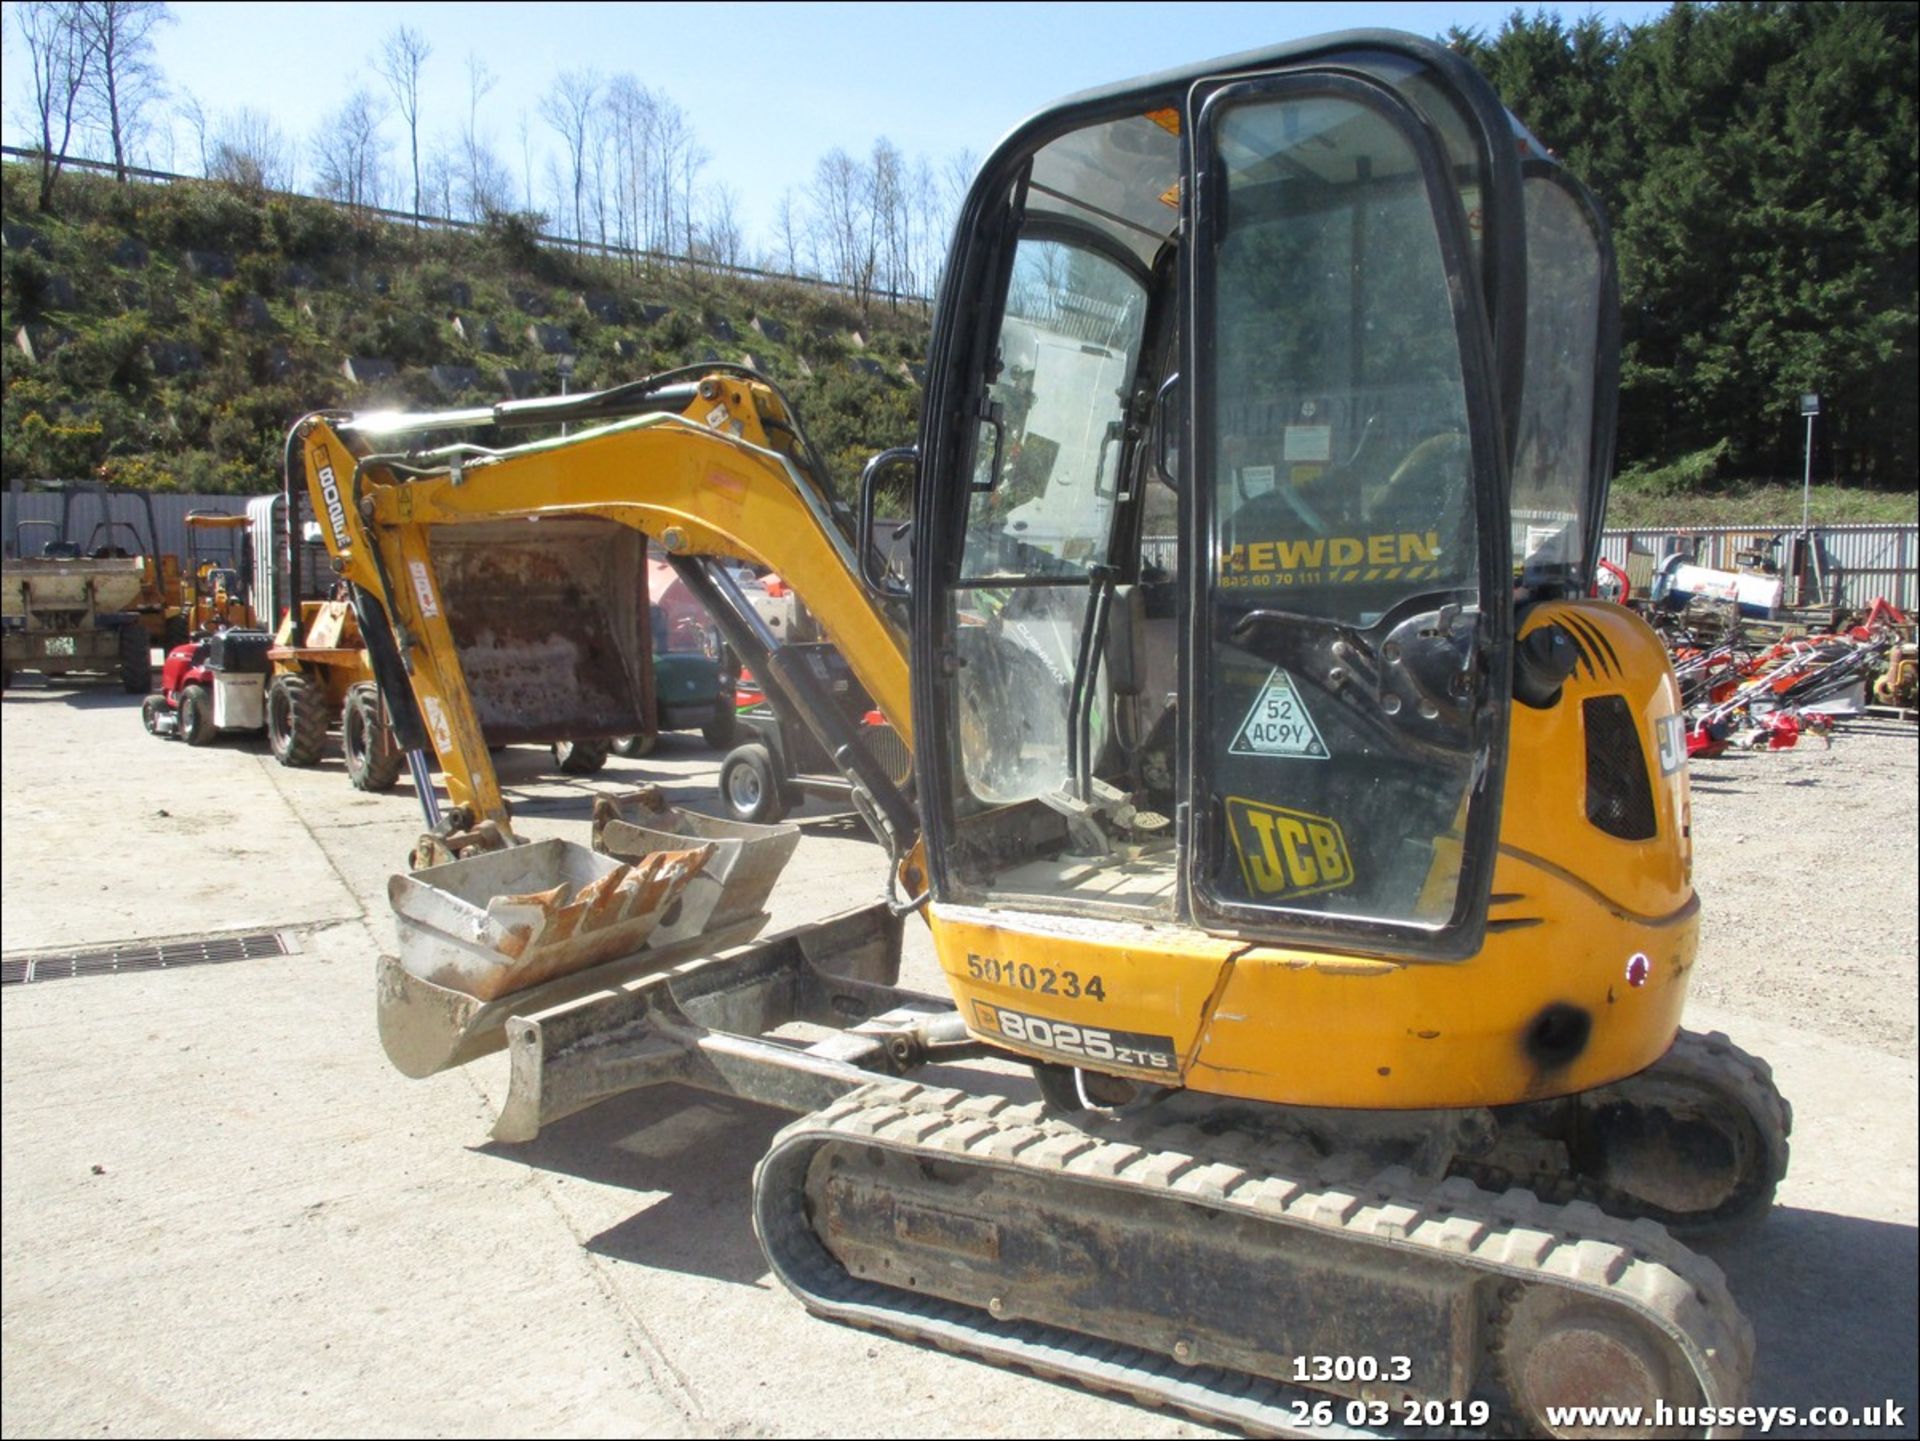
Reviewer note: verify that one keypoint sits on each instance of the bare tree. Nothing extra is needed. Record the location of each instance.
(63, 55)
(841, 222)
(887, 222)
(720, 234)
(441, 185)
(249, 150)
(957, 178)
(675, 158)
(197, 118)
(487, 186)
(600, 168)
(693, 159)
(785, 224)
(124, 81)
(526, 159)
(401, 58)
(349, 154)
(568, 107)
(624, 123)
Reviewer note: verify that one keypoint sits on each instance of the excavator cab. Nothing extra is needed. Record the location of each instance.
(1231, 493)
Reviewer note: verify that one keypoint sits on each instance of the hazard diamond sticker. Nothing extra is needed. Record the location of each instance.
(1279, 724)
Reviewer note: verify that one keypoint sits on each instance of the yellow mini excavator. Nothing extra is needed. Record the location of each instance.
(1277, 791)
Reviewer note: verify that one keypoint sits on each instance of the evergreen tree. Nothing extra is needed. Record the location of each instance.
(1758, 163)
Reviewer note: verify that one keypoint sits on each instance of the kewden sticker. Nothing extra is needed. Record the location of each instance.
(1278, 724)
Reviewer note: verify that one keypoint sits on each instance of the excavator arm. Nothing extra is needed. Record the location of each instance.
(713, 470)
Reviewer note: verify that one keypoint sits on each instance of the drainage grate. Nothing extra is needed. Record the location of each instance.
(167, 956)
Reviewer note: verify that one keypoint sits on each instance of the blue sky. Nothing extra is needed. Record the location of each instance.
(769, 88)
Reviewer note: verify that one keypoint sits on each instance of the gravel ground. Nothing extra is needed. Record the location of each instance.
(228, 1215)
(1810, 883)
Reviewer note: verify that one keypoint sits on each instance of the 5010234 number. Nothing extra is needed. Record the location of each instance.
(1041, 980)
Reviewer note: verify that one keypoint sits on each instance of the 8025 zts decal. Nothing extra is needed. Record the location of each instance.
(1077, 1043)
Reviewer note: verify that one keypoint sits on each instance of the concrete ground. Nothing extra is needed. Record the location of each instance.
(225, 1213)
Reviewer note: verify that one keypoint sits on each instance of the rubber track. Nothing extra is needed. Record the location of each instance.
(1632, 1264)
(1747, 1076)
(1713, 1059)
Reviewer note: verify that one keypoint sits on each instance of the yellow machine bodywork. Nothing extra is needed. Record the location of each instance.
(1276, 791)
(214, 601)
(1309, 1028)
(322, 644)
(1619, 919)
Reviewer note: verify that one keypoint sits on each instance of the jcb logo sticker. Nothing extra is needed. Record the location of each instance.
(1670, 738)
(1287, 853)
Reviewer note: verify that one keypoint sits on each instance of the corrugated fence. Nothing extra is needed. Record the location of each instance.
(169, 520)
(1850, 564)
(1855, 563)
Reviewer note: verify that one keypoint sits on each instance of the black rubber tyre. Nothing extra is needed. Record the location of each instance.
(374, 762)
(633, 747)
(151, 709)
(174, 632)
(721, 731)
(196, 716)
(750, 788)
(579, 758)
(136, 659)
(296, 720)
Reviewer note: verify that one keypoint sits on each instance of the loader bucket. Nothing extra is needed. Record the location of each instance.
(733, 885)
(550, 620)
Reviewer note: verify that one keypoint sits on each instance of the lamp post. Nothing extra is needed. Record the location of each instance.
(1809, 407)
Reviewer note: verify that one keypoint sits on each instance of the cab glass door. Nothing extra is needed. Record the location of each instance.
(1347, 513)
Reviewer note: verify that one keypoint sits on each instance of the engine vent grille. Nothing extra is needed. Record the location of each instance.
(164, 956)
(883, 743)
(1619, 795)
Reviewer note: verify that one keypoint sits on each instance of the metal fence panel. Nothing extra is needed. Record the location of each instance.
(169, 518)
(1859, 562)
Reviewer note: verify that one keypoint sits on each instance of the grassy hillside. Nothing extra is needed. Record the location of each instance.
(1694, 490)
(166, 336)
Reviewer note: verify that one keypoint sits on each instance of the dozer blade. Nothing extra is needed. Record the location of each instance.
(1218, 1272)
(710, 1024)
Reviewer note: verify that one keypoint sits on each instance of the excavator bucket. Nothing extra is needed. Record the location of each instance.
(737, 878)
(504, 932)
(505, 920)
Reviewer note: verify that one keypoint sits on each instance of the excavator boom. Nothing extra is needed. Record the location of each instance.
(510, 576)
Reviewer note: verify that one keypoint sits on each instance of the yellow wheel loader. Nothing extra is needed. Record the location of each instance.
(1278, 793)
